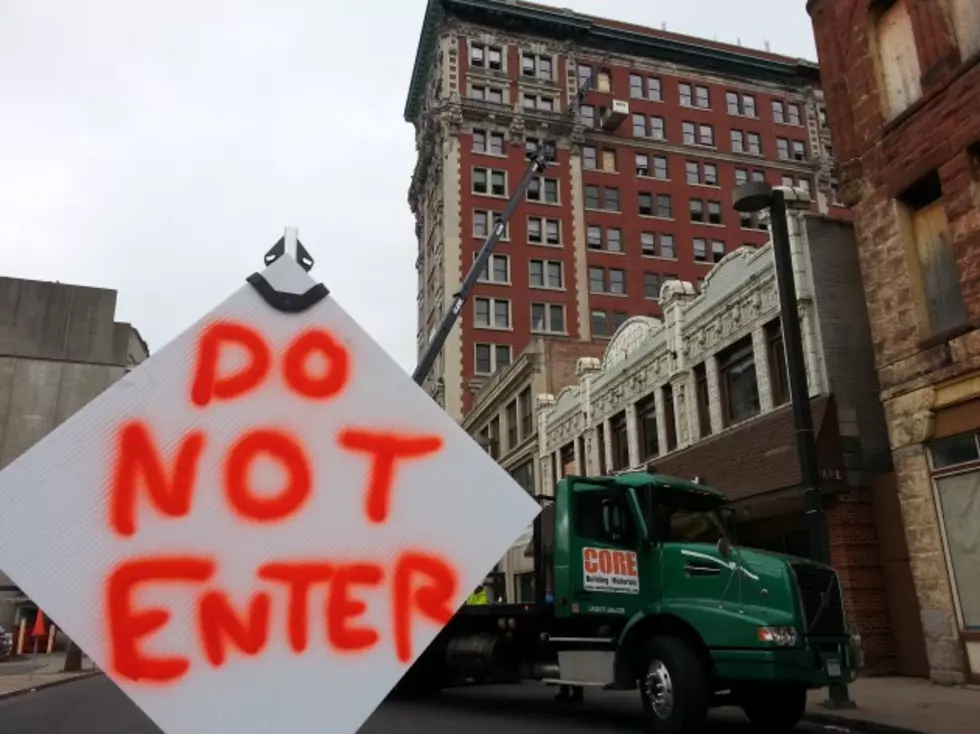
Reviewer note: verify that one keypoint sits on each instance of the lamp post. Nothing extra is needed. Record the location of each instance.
(754, 197)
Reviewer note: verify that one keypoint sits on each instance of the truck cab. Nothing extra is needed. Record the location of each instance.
(639, 585)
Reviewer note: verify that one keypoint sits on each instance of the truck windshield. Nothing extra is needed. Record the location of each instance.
(672, 519)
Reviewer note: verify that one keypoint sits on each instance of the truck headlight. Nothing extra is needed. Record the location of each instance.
(781, 636)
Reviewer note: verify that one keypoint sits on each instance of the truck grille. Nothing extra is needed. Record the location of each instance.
(815, 582)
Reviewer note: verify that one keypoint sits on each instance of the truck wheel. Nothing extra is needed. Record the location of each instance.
(774, 708)
(674, 687)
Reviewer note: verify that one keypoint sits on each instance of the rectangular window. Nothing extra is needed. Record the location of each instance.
(593, 237)
(591, 196)
(697, 210)
(782, 148)
(617, 282)
(717, 250)
(793, 114)
(714, 212)
(489, 181)
(738, 382)
(497, 269)
(932, 251)
(586, 113)
(701, 394)
(658, 128)
(525, 409)
(653, 89)
(776, 354)
(614, 239)
(590, 160)
(609, 161)
(897, 59)
(778, 113)
(491, 357)
(706, 135)
(692, 172)
(481, 223)
(636, 86)
(601, 442)
(510, 413)
(620, 443)
(488, 142)
(686, 95)
(642, 164)
(546, 274)
(611, 199)
(547, 318)
(667, 246)
(660, 167)
(639, 125)
(600, 323)
(604, 81)
(799, 150)
(544, 190)
(754, 143)
(710, 174)
(702, 98)
(537, 67)
(646, 420)
(700, 250)
(738, 141)
(732, 103)
(741, 176)
(651, 286)
(487, 56)
(491, 313)
(665, 208)
(584, 74)
(689, 133)
(670, 420)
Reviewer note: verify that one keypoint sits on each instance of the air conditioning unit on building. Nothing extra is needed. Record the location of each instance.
(615, 114)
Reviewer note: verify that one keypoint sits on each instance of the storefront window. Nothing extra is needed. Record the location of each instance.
(956, 476)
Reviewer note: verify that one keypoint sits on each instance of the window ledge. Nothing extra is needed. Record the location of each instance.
(948, 335)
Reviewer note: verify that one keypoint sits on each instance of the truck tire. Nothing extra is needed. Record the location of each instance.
(774, 708)
(674, 687)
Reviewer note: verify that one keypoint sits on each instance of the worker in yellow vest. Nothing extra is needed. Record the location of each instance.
(479, 596)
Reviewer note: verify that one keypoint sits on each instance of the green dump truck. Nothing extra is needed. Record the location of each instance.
(638, 585)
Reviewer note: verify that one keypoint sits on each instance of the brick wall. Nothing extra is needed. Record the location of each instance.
(880, 159)
(561, 357)
(854, 553)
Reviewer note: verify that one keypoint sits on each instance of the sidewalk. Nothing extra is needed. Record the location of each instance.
(27, 673)
(909, 704)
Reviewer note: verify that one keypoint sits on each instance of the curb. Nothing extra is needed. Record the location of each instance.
(50, 684)
(861, 725)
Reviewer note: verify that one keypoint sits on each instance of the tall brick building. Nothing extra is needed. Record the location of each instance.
(902, 80)
(640, 192)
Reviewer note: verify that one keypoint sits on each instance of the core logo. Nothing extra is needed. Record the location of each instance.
(610, 570)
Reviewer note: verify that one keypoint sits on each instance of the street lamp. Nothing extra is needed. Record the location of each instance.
(752, 197)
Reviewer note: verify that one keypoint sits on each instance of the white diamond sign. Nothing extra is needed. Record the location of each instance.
(261, 527)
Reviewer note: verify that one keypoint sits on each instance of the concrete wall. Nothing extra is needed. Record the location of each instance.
(845, 333)
(59, 347)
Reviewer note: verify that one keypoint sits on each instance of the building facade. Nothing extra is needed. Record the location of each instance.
(60, 346)
(640, 192)
(504, 419)
(703, 393)
(903, 89)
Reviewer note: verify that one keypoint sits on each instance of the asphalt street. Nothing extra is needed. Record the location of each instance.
(96, 706)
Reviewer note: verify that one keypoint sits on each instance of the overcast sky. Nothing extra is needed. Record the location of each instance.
(159, 147)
